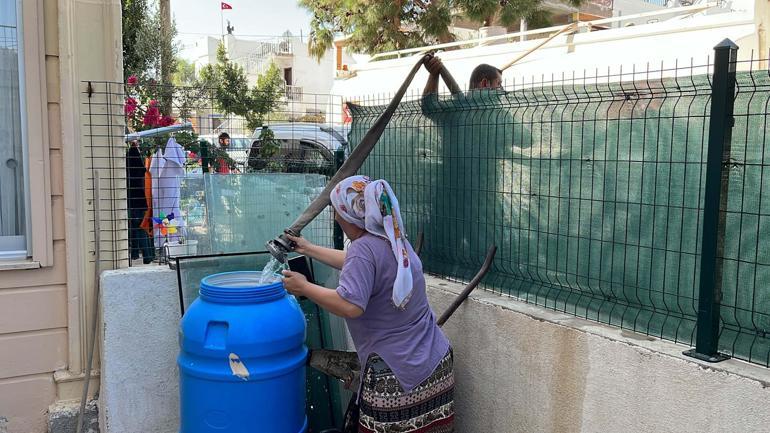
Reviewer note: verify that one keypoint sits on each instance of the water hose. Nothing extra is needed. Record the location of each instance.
(281, 245)
(95, 311)
(343, 365)
(566, 29)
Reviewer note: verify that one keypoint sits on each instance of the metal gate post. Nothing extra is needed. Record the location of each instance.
(721, 122)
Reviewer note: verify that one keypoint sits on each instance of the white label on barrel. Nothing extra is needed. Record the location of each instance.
(238, 367)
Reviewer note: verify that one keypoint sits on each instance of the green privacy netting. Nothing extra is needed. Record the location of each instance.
(593, 194)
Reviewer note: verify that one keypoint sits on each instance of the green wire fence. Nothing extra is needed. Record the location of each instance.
(602, 192)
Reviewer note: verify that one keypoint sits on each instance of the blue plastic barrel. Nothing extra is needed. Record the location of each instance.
(242, 358)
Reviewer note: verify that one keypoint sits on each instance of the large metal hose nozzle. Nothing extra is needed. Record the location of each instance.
(281, 246)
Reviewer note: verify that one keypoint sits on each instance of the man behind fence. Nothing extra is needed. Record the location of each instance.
(475, 141)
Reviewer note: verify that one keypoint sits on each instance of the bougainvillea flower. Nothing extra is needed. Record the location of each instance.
(151, 117)
(132, 80)
(131, 106)
(166, 121)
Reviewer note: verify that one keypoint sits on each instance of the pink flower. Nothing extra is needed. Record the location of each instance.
(151, 117)
(166, 121)
(132, 80)
(153, 103)
(130, 106)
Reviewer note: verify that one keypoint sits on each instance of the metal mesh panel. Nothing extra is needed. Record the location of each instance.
(224, 213)
(745, 304)
(592, 189)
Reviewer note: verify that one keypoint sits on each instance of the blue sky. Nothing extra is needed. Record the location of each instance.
(251, 18)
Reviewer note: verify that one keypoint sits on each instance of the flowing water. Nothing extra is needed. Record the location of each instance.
(270, 270)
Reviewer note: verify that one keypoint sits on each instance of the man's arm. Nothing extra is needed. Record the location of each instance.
(433, 66)
(431, 86)
(436, 69)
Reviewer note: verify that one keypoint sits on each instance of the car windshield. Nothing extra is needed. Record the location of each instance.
(240, 143)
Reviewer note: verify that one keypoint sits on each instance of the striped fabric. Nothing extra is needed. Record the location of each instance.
(386, 408)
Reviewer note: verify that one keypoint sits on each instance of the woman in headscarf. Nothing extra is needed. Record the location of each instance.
(407, 382)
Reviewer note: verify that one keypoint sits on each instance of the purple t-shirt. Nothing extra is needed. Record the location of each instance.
(408, 340)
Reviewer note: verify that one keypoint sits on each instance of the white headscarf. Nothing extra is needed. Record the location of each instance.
(372, 206)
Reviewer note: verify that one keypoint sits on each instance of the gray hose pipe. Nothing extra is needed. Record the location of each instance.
(281, 245)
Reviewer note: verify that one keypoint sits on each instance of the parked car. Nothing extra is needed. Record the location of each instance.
(238, 149)
(303, 148)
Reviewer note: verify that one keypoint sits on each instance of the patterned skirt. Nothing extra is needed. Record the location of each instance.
(387, 408)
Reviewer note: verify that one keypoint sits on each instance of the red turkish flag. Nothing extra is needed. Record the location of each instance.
(226, 6)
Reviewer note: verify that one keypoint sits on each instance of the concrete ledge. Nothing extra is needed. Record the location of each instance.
(140, 315)
(521, 368)
(63, 417)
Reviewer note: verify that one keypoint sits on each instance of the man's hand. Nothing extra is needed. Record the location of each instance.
(434, 65)
(295, 283)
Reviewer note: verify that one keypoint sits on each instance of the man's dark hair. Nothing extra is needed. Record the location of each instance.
(483, 71)
(224, 135)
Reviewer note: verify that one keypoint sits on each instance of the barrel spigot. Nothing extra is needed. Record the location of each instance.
(281, 246)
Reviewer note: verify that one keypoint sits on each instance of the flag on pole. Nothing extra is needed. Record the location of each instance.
(226, 6)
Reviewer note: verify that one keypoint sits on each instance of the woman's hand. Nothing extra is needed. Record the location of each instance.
(295, 283)
(302, 245)
(328, 299)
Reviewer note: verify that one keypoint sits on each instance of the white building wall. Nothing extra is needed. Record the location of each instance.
(631, 7)
(204, 52)
(314, 79)
(681, 42)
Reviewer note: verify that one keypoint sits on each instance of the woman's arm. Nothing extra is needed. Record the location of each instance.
(329, 256)
(328, 299)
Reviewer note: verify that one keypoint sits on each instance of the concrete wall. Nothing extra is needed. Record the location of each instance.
(139, 346)
(520, 368)
(140, 388)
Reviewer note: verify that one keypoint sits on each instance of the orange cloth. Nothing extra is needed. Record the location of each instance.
(147, 224)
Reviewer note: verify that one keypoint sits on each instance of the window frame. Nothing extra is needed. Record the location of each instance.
(34, 131)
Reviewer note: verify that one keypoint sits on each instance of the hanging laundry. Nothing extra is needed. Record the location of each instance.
(166, 170)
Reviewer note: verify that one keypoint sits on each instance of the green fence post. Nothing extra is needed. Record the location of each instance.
(205, 158)
(715, 198)
(339, 240)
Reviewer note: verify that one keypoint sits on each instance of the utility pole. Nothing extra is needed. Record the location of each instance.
(166, 55)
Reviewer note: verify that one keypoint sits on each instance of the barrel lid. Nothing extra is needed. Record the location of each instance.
(241, 287)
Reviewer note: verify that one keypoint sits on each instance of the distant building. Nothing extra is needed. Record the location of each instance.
(308, 82)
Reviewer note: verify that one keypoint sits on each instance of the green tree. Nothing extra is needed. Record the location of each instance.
(233, 95)
(144, 45)
(378, 26)
(184, 74)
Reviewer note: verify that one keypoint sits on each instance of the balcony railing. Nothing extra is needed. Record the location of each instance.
(293, 93)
